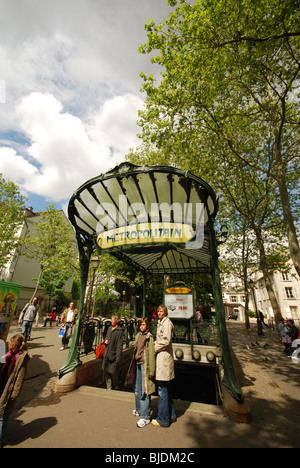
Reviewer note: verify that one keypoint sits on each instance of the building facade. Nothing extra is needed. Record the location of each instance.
(21, 270)
(286, 286)
(233, 299)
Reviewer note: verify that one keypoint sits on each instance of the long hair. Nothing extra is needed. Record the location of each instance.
(18, 340)
(146, 321)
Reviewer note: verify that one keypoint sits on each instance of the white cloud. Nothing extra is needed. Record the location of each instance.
(115, 123)
(72, 88)
(63, 152)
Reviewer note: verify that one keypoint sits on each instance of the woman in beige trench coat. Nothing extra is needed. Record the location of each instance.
(164, 368)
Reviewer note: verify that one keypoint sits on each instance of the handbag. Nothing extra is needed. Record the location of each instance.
(61, 332)
(100, 351)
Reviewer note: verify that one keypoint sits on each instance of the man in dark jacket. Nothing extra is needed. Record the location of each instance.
(113, 353)
(293, 331)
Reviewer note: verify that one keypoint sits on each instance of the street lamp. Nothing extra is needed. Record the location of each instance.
(259, 324)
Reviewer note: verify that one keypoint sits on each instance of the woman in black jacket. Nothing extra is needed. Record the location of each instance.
(113, 353)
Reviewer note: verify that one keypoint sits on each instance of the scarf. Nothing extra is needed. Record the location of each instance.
(140, 345)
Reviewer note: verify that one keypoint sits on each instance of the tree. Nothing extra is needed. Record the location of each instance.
(11, 219)
(230, 78)
(51, 244)
(113, 276)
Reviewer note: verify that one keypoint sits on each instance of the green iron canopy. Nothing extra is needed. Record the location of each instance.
(152, 217)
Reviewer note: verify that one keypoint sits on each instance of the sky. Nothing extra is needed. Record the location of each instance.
(70, 90)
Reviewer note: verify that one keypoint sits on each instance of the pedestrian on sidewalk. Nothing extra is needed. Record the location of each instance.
(51, 318)
(113, 353)
(293, 331)
(68, 321)
(262, 318)
(164, 368)
(12, 375)
(286, 339)
(197, 320)
(27, 317)
(142, 371)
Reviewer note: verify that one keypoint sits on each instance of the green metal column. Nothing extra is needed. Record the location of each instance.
(144, 295)
(73, 360)
(230, 380)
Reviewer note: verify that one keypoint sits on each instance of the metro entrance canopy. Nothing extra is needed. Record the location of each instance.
(161, 221)
(154, 218)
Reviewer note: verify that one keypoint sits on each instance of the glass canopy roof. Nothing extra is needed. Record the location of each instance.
(152, 217)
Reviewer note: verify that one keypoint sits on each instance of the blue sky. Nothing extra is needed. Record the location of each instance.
(71, 94)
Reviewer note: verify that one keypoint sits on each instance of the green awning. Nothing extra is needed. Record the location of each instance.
(158, 219)
(147, 216)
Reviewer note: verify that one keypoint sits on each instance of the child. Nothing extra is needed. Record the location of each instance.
(12, 375)
(143, 369)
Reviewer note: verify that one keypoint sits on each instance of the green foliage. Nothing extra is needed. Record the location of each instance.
(75, 292)
(227, 104)
(11, 218)
(51, 244)
(113, 276)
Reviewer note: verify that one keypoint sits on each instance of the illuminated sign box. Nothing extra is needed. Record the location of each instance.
(179, 302)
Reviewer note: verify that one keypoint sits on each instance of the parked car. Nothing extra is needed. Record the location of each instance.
(232, 316)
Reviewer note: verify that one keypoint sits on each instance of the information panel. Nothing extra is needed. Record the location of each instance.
(179, 302)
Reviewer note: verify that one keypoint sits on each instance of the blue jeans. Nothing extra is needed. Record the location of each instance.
(26, 329)
(142, 401)
(67, 334)
(3, 423)
(166, 409)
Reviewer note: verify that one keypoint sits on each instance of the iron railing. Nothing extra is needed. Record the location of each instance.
(94, 330)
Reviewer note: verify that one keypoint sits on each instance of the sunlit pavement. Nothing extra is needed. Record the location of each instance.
(92, 417)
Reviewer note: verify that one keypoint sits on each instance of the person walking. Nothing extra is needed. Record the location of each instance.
(197, 320)
(12, 375)
(286, 339)
(164, 368)
(68, 321)
(27, 317)
(113, 353)
(262, 318)
(142, 371)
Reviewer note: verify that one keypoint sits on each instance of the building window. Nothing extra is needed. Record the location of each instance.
(289, 293)
(233, 298)
(294, 312)
(284, 276)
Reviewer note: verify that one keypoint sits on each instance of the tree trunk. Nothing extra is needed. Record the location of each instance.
(289, 221)
(37, 284)
(247, 321)
(267, 278)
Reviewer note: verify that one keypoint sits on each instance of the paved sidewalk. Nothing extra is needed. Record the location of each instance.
(97, 418)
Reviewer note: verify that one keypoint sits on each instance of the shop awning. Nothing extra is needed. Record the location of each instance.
(154, 218)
